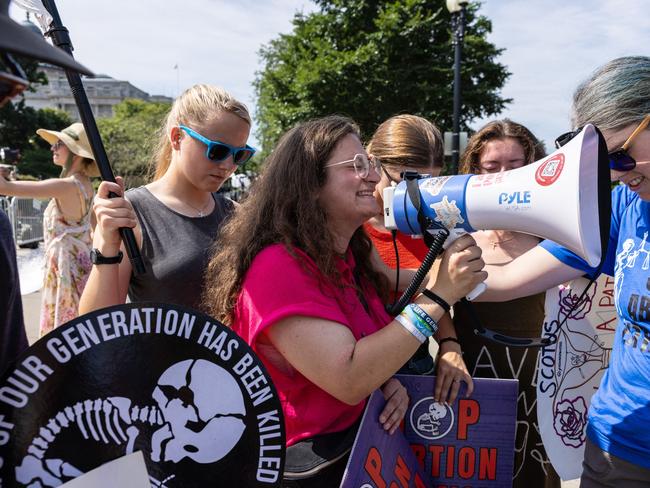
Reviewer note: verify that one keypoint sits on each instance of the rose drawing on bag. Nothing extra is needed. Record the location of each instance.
(569, 300)
(570, 420)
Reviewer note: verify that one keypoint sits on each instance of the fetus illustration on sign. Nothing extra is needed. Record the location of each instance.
(430, 419)
(197, 413)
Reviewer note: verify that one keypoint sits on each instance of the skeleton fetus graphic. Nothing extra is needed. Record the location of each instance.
(174, 385)
(198, 414)
(430, 419)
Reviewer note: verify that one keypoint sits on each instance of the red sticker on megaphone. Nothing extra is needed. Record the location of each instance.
(549, 171)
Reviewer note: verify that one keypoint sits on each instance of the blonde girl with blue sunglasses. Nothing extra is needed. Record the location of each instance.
(176, 217)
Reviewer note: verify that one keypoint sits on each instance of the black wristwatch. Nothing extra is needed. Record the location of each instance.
(96, 257)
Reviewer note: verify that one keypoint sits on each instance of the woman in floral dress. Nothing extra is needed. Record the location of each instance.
(67, 223)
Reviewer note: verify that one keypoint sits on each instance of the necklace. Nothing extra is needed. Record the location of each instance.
(499, 243)
(200, 211)
(496, 239)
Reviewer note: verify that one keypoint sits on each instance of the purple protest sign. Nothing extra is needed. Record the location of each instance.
(379, 459)
(468, 444)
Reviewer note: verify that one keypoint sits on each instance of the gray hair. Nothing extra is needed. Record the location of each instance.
(616, 95)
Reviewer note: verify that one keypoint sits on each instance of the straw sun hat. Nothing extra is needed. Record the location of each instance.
(75, 139)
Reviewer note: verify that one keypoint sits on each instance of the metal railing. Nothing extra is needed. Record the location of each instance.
(26, 217)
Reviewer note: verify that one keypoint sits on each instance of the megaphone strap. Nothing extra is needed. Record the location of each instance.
(413, 191)
(481, 331)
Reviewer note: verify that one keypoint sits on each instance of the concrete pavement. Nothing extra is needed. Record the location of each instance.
(31, 312)
(30, 269)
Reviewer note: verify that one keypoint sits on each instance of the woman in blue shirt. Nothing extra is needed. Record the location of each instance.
(616, 98)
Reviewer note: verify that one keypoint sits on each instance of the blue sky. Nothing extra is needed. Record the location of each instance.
(550, 45)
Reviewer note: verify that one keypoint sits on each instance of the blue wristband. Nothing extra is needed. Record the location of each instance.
(417, 322)
(424, 317)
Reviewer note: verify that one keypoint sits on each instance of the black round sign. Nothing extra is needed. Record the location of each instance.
(168, 381)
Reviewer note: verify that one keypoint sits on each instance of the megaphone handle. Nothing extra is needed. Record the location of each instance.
(480, 288)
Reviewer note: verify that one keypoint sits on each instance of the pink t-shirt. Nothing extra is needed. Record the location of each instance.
(279, 285)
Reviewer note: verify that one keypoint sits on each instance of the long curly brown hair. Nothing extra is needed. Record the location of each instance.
(283, 208)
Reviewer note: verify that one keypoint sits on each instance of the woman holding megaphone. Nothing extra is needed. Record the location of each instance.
(293, 275)
(616, 98)
(411, 143)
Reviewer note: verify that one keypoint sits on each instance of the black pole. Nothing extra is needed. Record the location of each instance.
(61, 39)
(458, 28)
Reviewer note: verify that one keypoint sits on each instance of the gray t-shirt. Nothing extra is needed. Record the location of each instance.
(175, 249)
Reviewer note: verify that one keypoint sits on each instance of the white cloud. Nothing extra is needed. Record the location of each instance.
(211, 41)
(551, 45)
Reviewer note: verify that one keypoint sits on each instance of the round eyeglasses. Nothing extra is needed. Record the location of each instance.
(361, 163)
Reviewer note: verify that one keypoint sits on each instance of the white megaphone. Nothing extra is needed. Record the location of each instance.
(564, 197)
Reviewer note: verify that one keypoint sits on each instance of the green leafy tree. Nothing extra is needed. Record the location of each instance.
(130, 136)
(18, 125)
(371, 59)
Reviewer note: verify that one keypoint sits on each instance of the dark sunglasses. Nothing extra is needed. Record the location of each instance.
(218, 151)
(12, 83)
(620, 157)
(619, 160)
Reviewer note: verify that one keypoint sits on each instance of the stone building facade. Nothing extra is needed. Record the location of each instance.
(103, 93)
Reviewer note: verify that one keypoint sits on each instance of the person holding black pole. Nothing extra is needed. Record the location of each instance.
(177, 216)
(16, 39)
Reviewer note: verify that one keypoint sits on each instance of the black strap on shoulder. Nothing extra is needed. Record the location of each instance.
(413, 190)
(433, 242)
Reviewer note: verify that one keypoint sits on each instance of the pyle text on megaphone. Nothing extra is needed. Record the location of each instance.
(563, 197)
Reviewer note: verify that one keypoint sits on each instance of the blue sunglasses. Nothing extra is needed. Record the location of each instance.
(218, 151)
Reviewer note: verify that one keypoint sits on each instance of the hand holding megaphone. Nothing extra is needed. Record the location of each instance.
(460, 271)
(563, 197)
